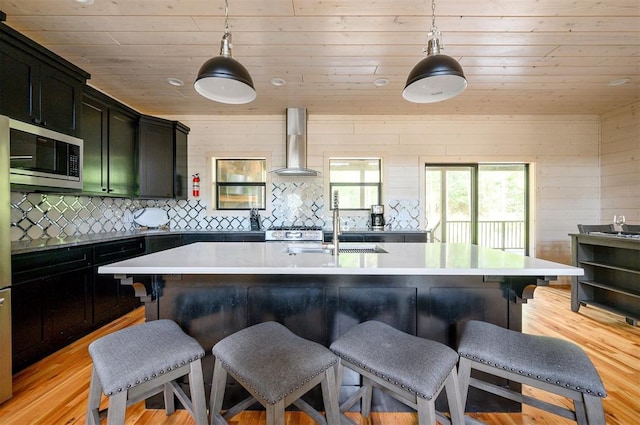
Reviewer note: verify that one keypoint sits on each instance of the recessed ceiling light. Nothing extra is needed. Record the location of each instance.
(380, 82)
(619, 82)
(278, 82)
(85, 2)
(175, 82)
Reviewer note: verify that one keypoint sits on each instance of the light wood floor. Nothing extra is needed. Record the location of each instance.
(54, 391)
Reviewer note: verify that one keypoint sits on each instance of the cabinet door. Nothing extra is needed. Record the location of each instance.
(19, 89)
(156, 159)
(68, 307)
(122, 154)
(181, 178)
(27, 322)
(95, 134)
(59, 100)
(48, 313)
(111, 299)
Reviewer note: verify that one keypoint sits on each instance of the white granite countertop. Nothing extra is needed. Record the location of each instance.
(400, 259)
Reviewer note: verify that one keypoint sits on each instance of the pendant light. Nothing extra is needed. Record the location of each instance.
(224, 79)
(437, 77)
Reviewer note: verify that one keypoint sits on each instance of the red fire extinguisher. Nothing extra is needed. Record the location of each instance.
(196, 185)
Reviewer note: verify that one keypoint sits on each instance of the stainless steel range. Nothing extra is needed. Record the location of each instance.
(293, 233)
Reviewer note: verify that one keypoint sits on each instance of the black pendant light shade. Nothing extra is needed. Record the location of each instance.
(224, 79)
(434, 79)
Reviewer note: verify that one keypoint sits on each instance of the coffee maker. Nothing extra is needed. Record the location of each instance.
(377, 217)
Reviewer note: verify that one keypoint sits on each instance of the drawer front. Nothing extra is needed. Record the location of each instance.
(50, 262)
(116, 251)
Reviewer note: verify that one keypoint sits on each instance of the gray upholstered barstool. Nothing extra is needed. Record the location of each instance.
(411, 369)
(276, 367)
(135, 363)
(547, 363)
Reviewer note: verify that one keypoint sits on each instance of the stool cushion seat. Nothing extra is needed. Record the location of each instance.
(415, 364)
(129, 357)
(271, 360)
(552, 360)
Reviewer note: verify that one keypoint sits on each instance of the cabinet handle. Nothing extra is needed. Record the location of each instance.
(104, 190)
(1, 302)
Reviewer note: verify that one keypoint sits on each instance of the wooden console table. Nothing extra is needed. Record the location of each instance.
(611, 278)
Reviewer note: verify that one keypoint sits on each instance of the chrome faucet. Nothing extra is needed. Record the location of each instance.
(334, 246)
(336, 224)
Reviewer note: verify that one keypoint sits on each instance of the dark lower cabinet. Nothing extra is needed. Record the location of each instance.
(58, 296)
(48, 313)
(110, 299)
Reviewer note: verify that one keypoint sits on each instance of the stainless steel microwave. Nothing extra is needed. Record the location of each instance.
(41, 159)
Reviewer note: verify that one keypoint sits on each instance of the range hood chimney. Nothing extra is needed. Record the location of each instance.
(296, 145)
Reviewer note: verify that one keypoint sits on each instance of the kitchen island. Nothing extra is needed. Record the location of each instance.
(430, 290)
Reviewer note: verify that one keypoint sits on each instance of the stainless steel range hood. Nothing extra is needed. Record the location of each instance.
(296, 145)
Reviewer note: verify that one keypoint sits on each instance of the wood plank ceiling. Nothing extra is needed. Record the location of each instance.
(520, 57)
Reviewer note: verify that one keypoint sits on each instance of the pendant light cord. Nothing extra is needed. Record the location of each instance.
(434, 29)
(226, 16)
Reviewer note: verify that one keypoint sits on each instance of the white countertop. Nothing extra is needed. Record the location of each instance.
(400, 259)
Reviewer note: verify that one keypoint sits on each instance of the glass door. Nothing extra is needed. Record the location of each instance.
(484, 204)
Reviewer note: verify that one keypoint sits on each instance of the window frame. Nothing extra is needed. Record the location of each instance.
(215, 184)
(331, 185)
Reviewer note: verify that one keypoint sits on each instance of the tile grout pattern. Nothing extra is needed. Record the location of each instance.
(41, 215)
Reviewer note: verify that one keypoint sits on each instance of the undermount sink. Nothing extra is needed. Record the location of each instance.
(344, 248)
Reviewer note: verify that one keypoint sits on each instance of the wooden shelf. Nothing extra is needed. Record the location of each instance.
(609, 266)
(610, 288)
(611, 278)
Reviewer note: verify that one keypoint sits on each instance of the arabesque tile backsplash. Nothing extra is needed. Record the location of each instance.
(38, 215)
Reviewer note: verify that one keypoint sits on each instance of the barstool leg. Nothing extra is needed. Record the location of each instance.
(464, 376)
(456, 408)
(426, 411)
(275, 413)
(169, 402)
(217, 392)
(196, 389)
(95, 394)
(367, 388)
(594, 409)
(117, 408)
(330, 396)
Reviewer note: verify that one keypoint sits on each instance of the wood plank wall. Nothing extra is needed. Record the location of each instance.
(620, 164)
(565, 151)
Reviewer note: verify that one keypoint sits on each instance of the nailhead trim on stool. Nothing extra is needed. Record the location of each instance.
(541, 361)
(419, 368)
(139, 355)
(275, 366)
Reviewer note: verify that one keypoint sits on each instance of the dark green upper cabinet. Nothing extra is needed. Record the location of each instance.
(110, 132)
(37, 86)
(163, 158)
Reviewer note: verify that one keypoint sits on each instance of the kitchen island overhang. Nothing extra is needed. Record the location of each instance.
(430, 290)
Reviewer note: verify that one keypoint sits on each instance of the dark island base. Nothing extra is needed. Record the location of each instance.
(323, 307)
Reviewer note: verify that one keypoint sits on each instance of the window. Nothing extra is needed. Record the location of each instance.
(240, 183)
(484, 204)
(358, 182)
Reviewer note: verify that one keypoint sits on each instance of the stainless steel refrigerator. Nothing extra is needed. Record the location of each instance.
(5, 264)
